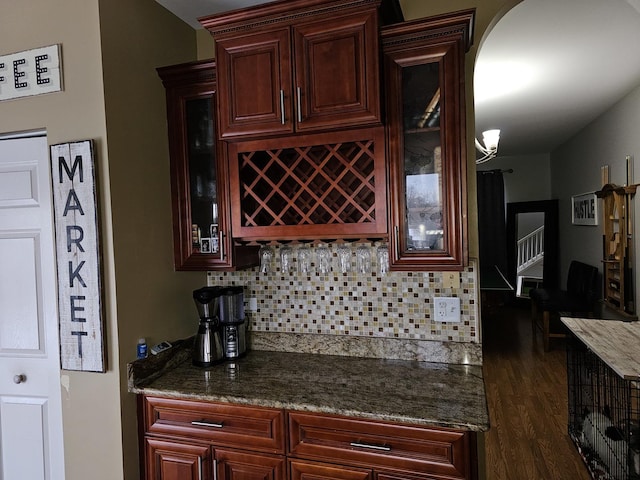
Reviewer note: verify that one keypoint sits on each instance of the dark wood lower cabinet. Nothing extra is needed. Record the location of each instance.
(235, 465)
(171, 460)
(305, 470)
(199, 440)
(405, 476)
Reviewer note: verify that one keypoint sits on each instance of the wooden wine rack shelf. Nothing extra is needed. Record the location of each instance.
(317, 190)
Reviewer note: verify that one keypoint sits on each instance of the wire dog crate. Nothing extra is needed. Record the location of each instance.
(604, 415)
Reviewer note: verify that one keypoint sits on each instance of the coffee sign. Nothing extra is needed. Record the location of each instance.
(32, 72)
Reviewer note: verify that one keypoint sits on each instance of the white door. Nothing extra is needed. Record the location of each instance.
(31, 445)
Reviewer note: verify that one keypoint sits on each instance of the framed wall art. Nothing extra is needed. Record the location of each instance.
(584, 209)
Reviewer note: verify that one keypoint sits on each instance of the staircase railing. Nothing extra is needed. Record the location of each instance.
(530, 249)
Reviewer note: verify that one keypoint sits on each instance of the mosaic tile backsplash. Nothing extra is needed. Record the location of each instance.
(394, 305)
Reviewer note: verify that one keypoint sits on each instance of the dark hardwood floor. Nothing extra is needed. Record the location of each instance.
(527, 399)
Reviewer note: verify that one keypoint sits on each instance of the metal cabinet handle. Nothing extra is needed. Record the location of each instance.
(221, 244)
(385, 448)
(396, 232)
(203, 423)
(299, 97)
(282, 119)
(215, 469)
(21, 378)
(200, 468)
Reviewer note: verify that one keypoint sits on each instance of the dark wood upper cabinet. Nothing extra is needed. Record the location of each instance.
(426, 141)
(292, 123)
(256, 73)
(200, 201)
(297, 66)
(336, 72)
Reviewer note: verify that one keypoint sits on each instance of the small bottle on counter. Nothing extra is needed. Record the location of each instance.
(142, 348)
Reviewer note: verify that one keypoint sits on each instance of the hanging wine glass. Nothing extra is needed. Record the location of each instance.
(286, 259)
(266, 258)
(382, 254)
(344, 257)
(363, 258)
(304, 259)
(323, 259)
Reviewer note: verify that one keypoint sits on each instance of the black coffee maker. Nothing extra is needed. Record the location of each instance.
(233, 327)
(207, 347)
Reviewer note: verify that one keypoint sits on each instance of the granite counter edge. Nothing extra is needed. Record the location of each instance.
(480, 426)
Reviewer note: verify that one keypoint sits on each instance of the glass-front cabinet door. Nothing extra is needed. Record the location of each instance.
(201, 225)
(202, 175)
(424, 76)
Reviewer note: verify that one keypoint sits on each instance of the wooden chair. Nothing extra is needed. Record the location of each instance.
(579, 297)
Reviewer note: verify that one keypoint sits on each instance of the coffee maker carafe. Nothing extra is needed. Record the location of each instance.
(232, 322)
(207, 348)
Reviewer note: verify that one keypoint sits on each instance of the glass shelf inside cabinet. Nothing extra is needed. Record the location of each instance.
(422, 157)
(202, 176)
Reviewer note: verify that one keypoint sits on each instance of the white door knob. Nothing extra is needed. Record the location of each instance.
(19, 378)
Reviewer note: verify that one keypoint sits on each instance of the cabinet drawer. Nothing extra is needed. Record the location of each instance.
(371, 443)
(254, 428)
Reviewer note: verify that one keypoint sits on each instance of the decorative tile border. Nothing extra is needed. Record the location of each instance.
(396, 305)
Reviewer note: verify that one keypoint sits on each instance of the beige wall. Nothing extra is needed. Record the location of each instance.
(153, 301)
(133, 190)
(77, 113)
(110, 50)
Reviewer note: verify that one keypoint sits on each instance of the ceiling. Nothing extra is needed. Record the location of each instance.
(545, 71)
(190, 10)
(550, 67)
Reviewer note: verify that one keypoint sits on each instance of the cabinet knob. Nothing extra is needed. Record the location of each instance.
(21, 378)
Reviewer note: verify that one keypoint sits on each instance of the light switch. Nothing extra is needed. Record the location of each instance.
(446, 309)
(451, 279)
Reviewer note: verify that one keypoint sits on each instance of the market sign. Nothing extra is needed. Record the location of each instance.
(78, 257)
(32, 72)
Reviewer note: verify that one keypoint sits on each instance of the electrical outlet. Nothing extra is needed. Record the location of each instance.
(446, 309)
(252, 304)
(451, 280)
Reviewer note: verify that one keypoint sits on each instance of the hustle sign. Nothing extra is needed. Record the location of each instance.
(32, 72)
(78, 257)
(584, 209)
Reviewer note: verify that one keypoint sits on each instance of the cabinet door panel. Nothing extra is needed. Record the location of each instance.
(177, 461)
(254, 84)
(408, 476)
(336, 72)
(424, 85)
(304, 470)
(236, 465)
(201, 236)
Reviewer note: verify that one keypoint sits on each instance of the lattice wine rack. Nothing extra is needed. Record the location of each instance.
(281, 190)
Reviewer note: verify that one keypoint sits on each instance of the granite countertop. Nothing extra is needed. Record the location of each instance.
(615, 342)
(424, 393)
